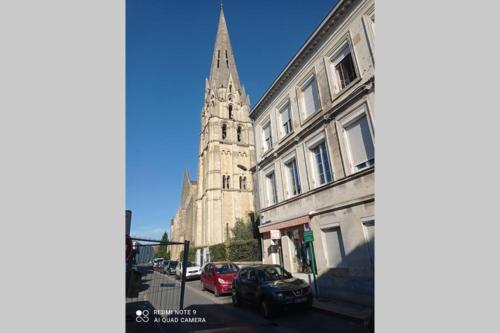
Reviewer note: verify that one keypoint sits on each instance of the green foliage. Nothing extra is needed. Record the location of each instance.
(163, 249)
(242, 230)
(244, 250)
(218, 252)
(191, 254)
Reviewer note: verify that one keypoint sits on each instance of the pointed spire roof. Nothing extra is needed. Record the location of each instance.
(223, 63)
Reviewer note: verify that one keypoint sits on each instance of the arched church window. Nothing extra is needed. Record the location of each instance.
(228, 183)
(230, 88)
(224, 131)
(238, 132)
(230, 108)
(241, 182)
(244, 182)
(223, 181)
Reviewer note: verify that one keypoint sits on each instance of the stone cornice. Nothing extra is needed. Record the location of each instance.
(324, 30)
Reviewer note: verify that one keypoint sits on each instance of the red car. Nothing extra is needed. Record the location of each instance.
(218, 277)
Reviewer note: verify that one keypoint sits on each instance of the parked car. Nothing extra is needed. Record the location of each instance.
(164, 264)
(271, 288)
(218, 277)
(170, 267)
(192, 271)
(157, 263)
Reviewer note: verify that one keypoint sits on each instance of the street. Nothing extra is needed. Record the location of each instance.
(205, 311)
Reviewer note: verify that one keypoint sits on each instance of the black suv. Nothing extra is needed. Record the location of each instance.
(271, 288)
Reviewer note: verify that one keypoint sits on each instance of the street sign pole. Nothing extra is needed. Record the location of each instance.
(309, 240)
(183, 280)
(313, 266)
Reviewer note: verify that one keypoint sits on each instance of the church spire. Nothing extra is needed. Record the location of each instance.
(223, 63)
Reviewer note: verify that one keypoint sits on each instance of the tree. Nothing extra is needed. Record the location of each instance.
(163, 248)
(242, 230)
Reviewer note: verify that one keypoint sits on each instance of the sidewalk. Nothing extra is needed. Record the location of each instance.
(336, 307)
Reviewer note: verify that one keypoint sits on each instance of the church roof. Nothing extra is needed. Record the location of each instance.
(223, 63)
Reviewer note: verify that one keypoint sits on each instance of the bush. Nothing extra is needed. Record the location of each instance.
(218, 252)
(242, 230)
(191, 254)
(244, 250)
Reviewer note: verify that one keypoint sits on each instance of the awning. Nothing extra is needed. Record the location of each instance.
(284, 224)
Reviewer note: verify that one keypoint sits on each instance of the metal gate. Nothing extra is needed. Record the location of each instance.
(148, 286)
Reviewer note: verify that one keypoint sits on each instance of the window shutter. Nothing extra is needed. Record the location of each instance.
(360, 141)
(311, 98)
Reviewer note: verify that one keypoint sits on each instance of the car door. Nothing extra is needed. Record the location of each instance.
(241, 285)
(252, 286)
(206, 276)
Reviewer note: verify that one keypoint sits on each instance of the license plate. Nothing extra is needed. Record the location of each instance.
(300, 300)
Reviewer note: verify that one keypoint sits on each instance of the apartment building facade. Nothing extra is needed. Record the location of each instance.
(315, 163)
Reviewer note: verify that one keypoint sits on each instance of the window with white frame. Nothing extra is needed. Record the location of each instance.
(360, 143)
(293, 178)
(343, 67)
(267, 136)
(321, 160)
(310, 97)
(272, 194)
(286, 120)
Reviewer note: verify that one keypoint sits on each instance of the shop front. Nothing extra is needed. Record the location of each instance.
(283, 243)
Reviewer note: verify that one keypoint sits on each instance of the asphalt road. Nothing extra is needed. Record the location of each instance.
(218, 312)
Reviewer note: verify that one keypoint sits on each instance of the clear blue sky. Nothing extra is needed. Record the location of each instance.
(169, 47)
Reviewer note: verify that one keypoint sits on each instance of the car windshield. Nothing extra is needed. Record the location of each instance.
(273, 273)
(225, 268)
(172, 263)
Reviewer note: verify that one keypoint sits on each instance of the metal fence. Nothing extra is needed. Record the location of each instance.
(151, 288)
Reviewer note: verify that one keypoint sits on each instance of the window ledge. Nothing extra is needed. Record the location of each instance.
(267, 153)
(336, 96)
(321, 188)
(311, 116)
(286, 136)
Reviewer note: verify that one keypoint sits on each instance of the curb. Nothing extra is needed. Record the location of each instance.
(342, 315)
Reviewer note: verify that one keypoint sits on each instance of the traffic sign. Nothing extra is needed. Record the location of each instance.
(308, 236)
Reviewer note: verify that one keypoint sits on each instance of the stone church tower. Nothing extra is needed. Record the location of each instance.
(226, 151)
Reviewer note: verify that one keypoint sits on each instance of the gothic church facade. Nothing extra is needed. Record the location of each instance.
(224, 191)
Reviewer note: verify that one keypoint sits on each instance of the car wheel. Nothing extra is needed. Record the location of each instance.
(235, 299)
(216, 292)
(266, 310)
